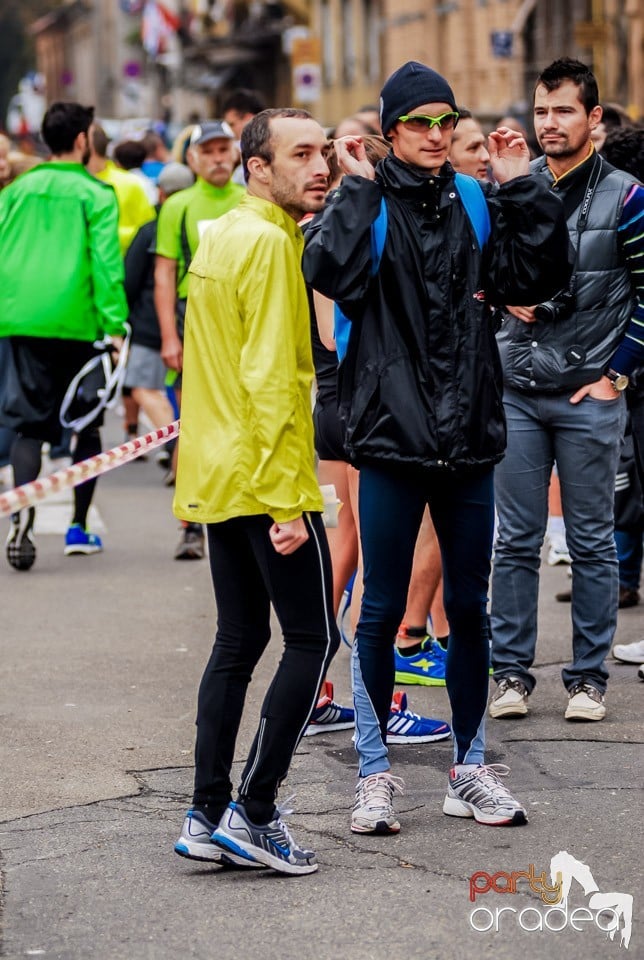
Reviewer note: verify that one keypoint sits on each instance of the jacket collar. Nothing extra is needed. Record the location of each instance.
(271, 212)
(410, 181)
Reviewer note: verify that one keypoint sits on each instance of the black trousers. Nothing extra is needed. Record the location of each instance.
(248, 576)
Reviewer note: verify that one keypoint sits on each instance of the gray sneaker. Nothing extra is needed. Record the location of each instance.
(269, 844)
(510, 698)
(191, 543)
(373, 810)
(480, 794)
(21, 549)
(194, 843)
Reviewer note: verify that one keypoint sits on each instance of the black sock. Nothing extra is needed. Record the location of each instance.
(442, 641)
(259, 813)
(210, 812)
(410, 651)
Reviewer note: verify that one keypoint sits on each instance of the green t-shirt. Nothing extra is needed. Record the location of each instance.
(196, 207)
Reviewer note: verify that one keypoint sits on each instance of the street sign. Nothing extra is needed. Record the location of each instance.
(307, 71)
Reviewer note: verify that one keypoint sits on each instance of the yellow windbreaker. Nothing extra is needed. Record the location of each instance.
(246, 443)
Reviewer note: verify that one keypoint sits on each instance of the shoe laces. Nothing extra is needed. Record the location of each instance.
(378, 789)
(490, 774)
(285, 809)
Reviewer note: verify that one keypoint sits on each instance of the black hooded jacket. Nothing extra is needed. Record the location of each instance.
(421, 383)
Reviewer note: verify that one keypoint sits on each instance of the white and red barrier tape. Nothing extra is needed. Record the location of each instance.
(29, 493)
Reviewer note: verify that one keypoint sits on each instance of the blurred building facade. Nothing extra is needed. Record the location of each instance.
(178, 57)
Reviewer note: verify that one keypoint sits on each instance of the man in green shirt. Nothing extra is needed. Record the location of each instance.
(61, 276)
(183, 219)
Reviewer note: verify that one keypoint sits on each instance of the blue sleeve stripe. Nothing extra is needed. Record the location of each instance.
(625, 226)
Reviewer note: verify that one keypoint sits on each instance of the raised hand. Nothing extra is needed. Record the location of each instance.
(509, 154)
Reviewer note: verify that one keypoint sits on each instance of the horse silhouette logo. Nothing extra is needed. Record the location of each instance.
(564, 868)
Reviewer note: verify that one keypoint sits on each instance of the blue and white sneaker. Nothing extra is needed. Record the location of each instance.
(79, 541)
(404, 726)
(194, 843)
(269, 844)
(426, 668)
(329, 716)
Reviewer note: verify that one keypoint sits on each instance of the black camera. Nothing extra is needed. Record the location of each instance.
(561, 307)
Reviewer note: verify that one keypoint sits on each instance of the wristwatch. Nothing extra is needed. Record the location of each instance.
(619, 380)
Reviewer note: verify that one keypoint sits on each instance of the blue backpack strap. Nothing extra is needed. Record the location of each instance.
(473, 199)
(378, 237)
(342, 324)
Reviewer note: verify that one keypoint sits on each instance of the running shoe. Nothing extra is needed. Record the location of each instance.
(558, 552)
(479, 793)
(21, 549)
(270, 844)
(79, 541)
(427, 667)
(510, 698)
(191, 544)
(373, 810)
(629, 652)
(404, 726)
(328, 715)
(194, 843)
(585, 702)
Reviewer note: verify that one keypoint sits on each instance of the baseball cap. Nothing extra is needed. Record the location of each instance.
(210, 130)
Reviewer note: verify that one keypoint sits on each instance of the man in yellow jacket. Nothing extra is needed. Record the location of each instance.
(246, 470)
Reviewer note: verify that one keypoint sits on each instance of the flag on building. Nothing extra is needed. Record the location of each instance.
(157, 27)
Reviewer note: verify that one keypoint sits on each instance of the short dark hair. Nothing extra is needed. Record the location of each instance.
(62, 123)
(130, 154)
(256, 135)
(464, 113)
(244, 101)
(100, 140)
(568, 69)
(624, 148)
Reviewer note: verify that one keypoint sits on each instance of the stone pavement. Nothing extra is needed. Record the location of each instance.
(101, 658)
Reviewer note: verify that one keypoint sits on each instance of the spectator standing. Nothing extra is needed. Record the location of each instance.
(183, 220)
(61, 275)
(420, 398)
(246, 469)
(564, 373)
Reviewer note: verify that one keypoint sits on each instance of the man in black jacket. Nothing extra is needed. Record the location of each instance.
(420, 398)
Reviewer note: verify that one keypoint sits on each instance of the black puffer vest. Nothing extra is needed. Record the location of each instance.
(534, 355)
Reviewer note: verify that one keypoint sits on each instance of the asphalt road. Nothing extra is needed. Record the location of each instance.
(101, 658)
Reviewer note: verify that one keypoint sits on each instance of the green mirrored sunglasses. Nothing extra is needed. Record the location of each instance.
(419, 123)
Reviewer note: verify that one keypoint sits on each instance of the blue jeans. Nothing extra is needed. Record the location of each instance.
(391, 502)
(585, 441)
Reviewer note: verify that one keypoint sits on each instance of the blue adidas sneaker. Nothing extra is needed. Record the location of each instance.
(426, 668)
(79, 541)
(269, 843)
(328, 715)
(404, 726)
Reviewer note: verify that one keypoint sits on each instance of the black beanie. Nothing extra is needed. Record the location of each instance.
(410, 86)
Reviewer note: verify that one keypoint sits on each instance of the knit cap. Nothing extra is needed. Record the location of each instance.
(410, 86)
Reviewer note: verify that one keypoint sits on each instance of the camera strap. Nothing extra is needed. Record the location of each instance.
(576, 355)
